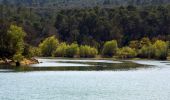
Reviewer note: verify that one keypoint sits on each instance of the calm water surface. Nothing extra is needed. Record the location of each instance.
(70, 63)
(141, 84)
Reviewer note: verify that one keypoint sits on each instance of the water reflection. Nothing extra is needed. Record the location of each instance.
(77, 65)
(55, 64)
(78, 60)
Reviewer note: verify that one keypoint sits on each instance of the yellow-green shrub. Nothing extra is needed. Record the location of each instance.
(87, 51)
(72, 50)
(126, 52)
(146, 52)
(48, 46)
(134, 44)
(61, 50)
(34, 51)
(145, 42)
(160, 49)
(110, 48)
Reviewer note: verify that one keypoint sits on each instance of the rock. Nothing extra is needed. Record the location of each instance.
(29, 61)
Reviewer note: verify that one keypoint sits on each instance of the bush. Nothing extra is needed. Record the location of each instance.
(61, 50)
(72, 50)
(146, 52)
(145, 42)
(134, 44)
(126, 52)
(16, 40)
(110, 48)
(30, 51)
(18, 57)
(48, 46)
(87, 51)
(160, 49)
(34, 51)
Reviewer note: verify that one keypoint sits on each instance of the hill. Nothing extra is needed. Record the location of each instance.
(82, 3)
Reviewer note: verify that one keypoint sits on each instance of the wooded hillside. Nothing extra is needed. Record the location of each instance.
(82, 3)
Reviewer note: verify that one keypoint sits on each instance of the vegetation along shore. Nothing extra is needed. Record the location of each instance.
(119, 32)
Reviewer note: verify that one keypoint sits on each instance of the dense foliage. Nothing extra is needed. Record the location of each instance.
(61, 50)
(87, 51)
(72, 50)
(110, 48)
(48, 46)
(89, 28)
(16, 41)
(82, 3)
(126, 52)
(160, 49)
(92, 26)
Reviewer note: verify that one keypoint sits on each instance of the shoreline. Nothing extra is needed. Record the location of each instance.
(29, 61)
(25, 61)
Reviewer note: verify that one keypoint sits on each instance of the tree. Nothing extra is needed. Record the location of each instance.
(61, 50)
(110, 48)
(87, 51)
(48, 46)
(72, 50)
(160, 49)
(145, 42)
(134, 44)
(34, 51)
(16, 41)
(146, 52)
(126, 52)
(157, 50)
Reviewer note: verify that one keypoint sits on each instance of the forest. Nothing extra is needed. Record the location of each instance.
(81, 3)
(121, 31)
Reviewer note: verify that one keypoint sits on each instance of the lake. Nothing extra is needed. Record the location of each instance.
(137, 83)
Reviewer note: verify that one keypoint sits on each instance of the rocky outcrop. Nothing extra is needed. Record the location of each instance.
(29, 61)
(25, 61)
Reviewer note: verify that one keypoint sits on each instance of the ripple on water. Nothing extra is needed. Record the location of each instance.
(70, 63)
(84, 60)
(55, 64)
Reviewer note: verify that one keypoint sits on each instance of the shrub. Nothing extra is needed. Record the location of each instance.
(134, 44)
(72, 50)
(110, 48)
(16, 41)
(146, 52)
(18, 57)
(61, 50)
(160, 49)
(87, 51)
(145, 42)
(126, 52)
(48, 46)
(34, 51)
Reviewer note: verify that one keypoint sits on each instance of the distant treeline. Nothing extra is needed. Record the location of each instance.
(81, 3)
(87, 26)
